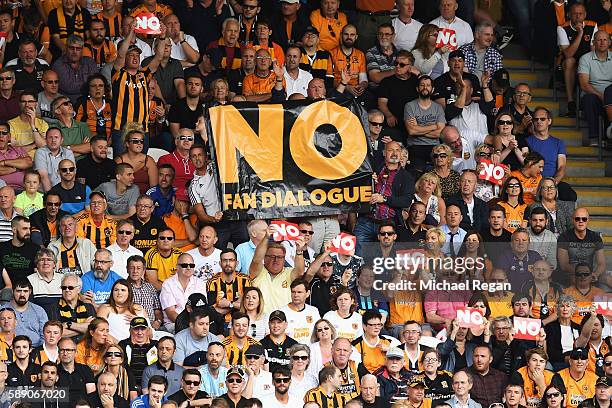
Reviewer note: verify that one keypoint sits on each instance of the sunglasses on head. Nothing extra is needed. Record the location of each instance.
(67, 169)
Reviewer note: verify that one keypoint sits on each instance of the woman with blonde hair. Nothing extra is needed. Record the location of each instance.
(434, 240)
(145, 168)
(442, 158)
(429, 192)
(561, 332)
(114, 359)
(252, 304)
(426, 56)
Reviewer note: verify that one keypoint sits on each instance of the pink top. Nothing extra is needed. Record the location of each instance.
(445, 303)
(14, 179)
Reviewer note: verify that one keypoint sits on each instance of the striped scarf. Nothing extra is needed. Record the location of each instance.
(79, 24)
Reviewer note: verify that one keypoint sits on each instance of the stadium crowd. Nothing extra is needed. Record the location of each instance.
(126, 285)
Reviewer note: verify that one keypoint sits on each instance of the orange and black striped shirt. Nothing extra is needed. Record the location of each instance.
(111, 24)
(103, 235)
(319, 396)
(98, 119)
(221, 58)
(68, 262)
(234, 355)
(217, 288)
(105, 53)
(130, 98)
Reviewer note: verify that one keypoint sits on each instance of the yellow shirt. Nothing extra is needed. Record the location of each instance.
(21, 132)
(500, 307)
(583, 302)
(577, 391)
(275, 289)
(165, 267)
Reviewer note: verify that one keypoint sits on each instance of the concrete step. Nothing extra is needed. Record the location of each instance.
(590, 182)
(560, 121)
(584, 168)
(571, 136)
(595, 210)
(551, 105)
(603, 226)
(607, 239)
(593, 196)
(582, 151)
(535, 80)
(524, 64)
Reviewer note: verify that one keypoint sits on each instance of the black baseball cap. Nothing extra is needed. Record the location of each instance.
(502, 78)
(138, 321)
(579, 353)
(197, 301)
(278, 315)
(311, 29)
(456, 54)
(255, 350)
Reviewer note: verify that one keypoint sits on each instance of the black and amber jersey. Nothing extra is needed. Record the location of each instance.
(533, 395)
(234, 355)
(145, 235)
(351, 384)
(217, 288)
(587, 36)
(68, 261)
(130, 98)
(319, 396)
(317, 64)
(111, 24)
(102, 234)
(224, 57)
(98, 118)
(102, 54)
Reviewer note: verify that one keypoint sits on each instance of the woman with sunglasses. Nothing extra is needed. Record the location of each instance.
(512, 149)
(562, 332)
(485, 190)
(553, 397)
(429, 192)
(442, 158)
(343, 315)
(321, 341)
(145, 169)
(126, 383)
(558, 212)
(480, 266)
(302, 380)
(530, 175)
(426, 56)
(439, 382)
(120, 309)
(90, 350)
(252, 304)
(511, 199)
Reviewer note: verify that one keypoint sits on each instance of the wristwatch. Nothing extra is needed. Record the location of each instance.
(180, 42)
(69, 324)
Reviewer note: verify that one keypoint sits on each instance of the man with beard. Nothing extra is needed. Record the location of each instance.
(225, 289)
(164, 366)
(97, 46)
(424, 120)
(297, 79)
(183, 139)
(184, 113)
(542, 240)
(347, 56)
(164, 192)
(98, 282)
(281, 378)
(31, 317)
(17, 255)
(213, 373)
(48, 382)
(74, 196)
(96, 168)
(27, 68)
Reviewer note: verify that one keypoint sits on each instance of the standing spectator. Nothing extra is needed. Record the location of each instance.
(184, 168)
(184, 46)
(300, 317)
(257, 231)
(424, 120)
(315, 59)
(445, 85)
(48, 157)
(97, 283)
(184, 113)
(101, 49)
(96, 168)
(76, 134)
(7, 212)
(542, 240)
(406, 28)
(213, 373)
(30, 316)
(74, 254)
(267, 83)
(9, 97)
(27, 130)
(575, 38)
(482, 44)
(594, 76)
(488, 383)
(163, 194)
(94, 106)
(449, 20)
(13, 160)
(74, 196)
(50, 91)
(145, 294)
(202, 19)
(28, 69)
(122, 249)
(329, 21)
(65, 21)
(126, 24)
(73, 68)
(17, 254)
(469, 116)
(121, 193)
(381, 58)
(297, 79)
(169, 73)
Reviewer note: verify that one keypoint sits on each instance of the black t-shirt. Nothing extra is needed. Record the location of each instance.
(398, 93)
(18, 378)
(11, 50)
(206, 79)
(179, 397)
(76, 381)
(94, 400)
(235, 78)
(137, 357)
(511, 159)
(580, 250)
(182, 114)
(277, 353)
(378, 403)
(145, 235)
(95, 173)
(495, 246)
(445, 87)
(76, 195)
(28, 80)
(242, 403)
(18, 261)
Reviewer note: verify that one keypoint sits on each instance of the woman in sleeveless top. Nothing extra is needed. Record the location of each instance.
(429, 192)
(145, 169)
(120, 309)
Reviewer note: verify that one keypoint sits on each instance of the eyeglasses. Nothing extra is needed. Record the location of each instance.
(504, 122)
(401, 64)
(65, 103)
(275, 257)
(608, 363)
(53, 204)
(440, 155)
(540, 119)
(234, 380)
(327, 264)
(430, 360)
(284, 380)
(187, 138)
(144, 206)
(249, 7)
(386, 234)
(320, 329)
(67, 169)
(165, 238)
(8, 78)
(187, 382)
(296, 358)
(46, 260)
(376, 123)
(125, 232)
(101, 261)
(113, 354)
(96, 203)
(553, 395)
(52, 81)
(513, 185)
(187, 265)
(304, 232)
(581, 219)
(137, 141)
(4, 132)
(385, 34)
(549, 188)
(522, 93)
(68, 287)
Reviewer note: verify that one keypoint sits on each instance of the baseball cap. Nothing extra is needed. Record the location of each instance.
(196, 359)
(311, 29)
(417, 381)
(290, 1)
(278, 315)
(197, 301)
(395, 352)
(502, 78)
(134, 47)
(603, 381)
(255, 350)
(237, 370)
(98, 193)
(456, 54)
(579, 353)
(138, 321)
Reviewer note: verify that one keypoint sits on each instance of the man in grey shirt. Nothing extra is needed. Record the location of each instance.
(424, 120)
(164, 366)
(121, 193)
(48, 157)
(195, 338)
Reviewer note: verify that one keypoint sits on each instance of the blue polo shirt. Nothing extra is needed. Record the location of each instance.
(163, 204)
(245, 252)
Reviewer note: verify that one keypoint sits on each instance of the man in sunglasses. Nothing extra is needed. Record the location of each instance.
(76, 134)
(608, 364)
(581, 245)
(122, 250)
(74, 314)
(95, 225)
(255, 357)
(576, 382)
(190, 390)
(74, 196)
(44, 224)
(281, 398)
(179, 158)
(146, 224)
(239, 386)
(50, 91)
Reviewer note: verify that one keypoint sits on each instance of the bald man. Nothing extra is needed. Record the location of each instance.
(7, 213)
(75, 196)
(369, 389)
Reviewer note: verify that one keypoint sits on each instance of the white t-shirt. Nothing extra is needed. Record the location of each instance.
(471, 121)
(298, 389)
(406, 34)
(463, 31)
(349, 328)
(301, 324)
(206, 266)
(270, 401)
(177, 49)
(562, 38)
(262, 385)
(298, 85)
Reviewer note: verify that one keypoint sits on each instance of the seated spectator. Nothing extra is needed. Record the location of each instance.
(393, 378)
(463, 382)
(27, 130)
(261, 40)
(449, 178)
(96, 168)
(50, 88)
(114, 358)
(463, 147)
(73, 68)
(289, 25)
(592, 338)
(329, 21)
(139, 347)
(163, 194)
(18, 253)
(343, 316)
(411, 229)
(95, 225)
(577, 369)
(48, 157)
(195, 338)
(145, 294)
(558, 212)
(143, 165)
(44, 222)
(449, 20)
(594, 76)
(24, 372)
(264, 83)
(45, 281)
(27, 67)
(119, 308)
(519, 110)
(315, 59)
(13, 160)
(185, 112)
(574, 37)
(75, 196)
(101, 49)
(76, 134)
(542, 240)
(225, 52)
(162, 259)
(561, 332)
(406, 28)
(428, 191)
(329, 385)
(190, 391)
(164, 366)
(121, 193)
(380, 59)
(31, 317)
(98, 282)
(106, 393)
(530, 176)
(74, 254)
(69, 309)
(511, 145)
(184, 46)
(512, 201)
(351, 61)
(296, 79)
(29, 200)
(9, 97)
(429, 59)
(147, 225)
(519, 259)
(94, 107)
(122, 249)
(198, 301)
(495, 236)
(483, 40)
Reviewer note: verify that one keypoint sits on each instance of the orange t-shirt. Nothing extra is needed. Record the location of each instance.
(374, 6)
(560, 13)
(93, 359)
(607, 28)
(255, 85)
(276, 52)
(583, 302)
(530, 186)
(514, 216)
(356, 63)
(330, 29)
